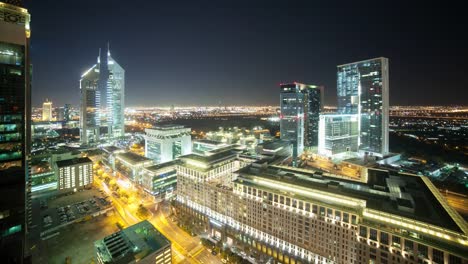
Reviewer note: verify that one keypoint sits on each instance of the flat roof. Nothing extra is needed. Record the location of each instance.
(167, 127)
(70, 162)
(377, 192)
(111, 149)
(346, 64)
(209, 142)
(132, 158)
(133, 243)
(162, 165)
(204, 162)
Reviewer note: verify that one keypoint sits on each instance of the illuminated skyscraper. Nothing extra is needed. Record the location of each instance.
(15, 129)
(363, 90)
(112, 75)
(90, 116)
(115, 94)
(313, 104)
(47, 110)
(292, 117)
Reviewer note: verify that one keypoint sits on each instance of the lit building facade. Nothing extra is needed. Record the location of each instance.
(363, 89)
(130, 165)
(313, 104)
(115, 94)
(74, 174)
(338, 134)
(15, 129)
(292, 117)
(167, 142)
(139, 243)
(159, 180)
(297, 216)
(90, 105)
(47, 111)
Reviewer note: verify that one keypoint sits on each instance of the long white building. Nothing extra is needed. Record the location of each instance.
(297, 216)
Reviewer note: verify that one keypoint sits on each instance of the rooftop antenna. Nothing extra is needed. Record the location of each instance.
(108, 49)
(99, 57)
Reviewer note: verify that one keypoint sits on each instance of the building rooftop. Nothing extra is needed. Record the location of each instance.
(111, 149)
(209, 142)
(131, 244)
(164, 165)
(385, 191)
(132, 158)
(204, 162)
(70, 162)
(167, 127)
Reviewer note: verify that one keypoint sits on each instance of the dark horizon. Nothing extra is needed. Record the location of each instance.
(237, 54)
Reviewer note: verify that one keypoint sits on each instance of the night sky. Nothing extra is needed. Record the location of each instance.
(237, 52)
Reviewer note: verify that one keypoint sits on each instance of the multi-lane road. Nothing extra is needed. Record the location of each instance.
(185, 248)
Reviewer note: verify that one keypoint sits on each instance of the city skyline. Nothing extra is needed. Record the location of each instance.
(245, 57)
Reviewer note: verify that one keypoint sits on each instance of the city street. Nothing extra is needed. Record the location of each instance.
(186, 249)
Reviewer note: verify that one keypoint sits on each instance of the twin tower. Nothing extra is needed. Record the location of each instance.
(102, 101)
(360, 124)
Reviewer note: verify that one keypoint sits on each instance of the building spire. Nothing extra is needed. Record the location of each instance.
(108, 49)
(99, 56)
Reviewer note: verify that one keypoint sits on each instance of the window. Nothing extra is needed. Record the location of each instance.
(437, 256)
(363, 231)
(422, 250)
(384, 238)
(396, 241)
(373, 234)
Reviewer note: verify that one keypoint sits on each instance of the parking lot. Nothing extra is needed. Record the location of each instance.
(59, 212)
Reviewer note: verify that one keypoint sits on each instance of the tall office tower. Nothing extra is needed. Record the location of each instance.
(363, 90)
(313, 105)
(47, 110)
(292, 117)
(90, 114)
(115, 94)
(66, 112)
(15, 129)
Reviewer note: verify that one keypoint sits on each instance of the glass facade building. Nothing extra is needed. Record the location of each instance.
(167, 142)
(313, 104)
(115, 98)
(338, 134)
(363, 89)
(292, 117)
(15, 130)
(90, 103)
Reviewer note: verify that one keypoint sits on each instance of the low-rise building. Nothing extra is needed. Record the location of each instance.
(140, 243)
(109, 154)
(338, 134)
(159, 180)
(130, 165)
(74, 174)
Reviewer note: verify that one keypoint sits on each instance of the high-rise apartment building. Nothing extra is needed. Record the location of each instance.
(47, 110)
(15, 129)
(292, 117)
(115, 94)
(363, 89)
(313, 105)
(167, 142)
(90, 105)
(290, 215)
(112, 75)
